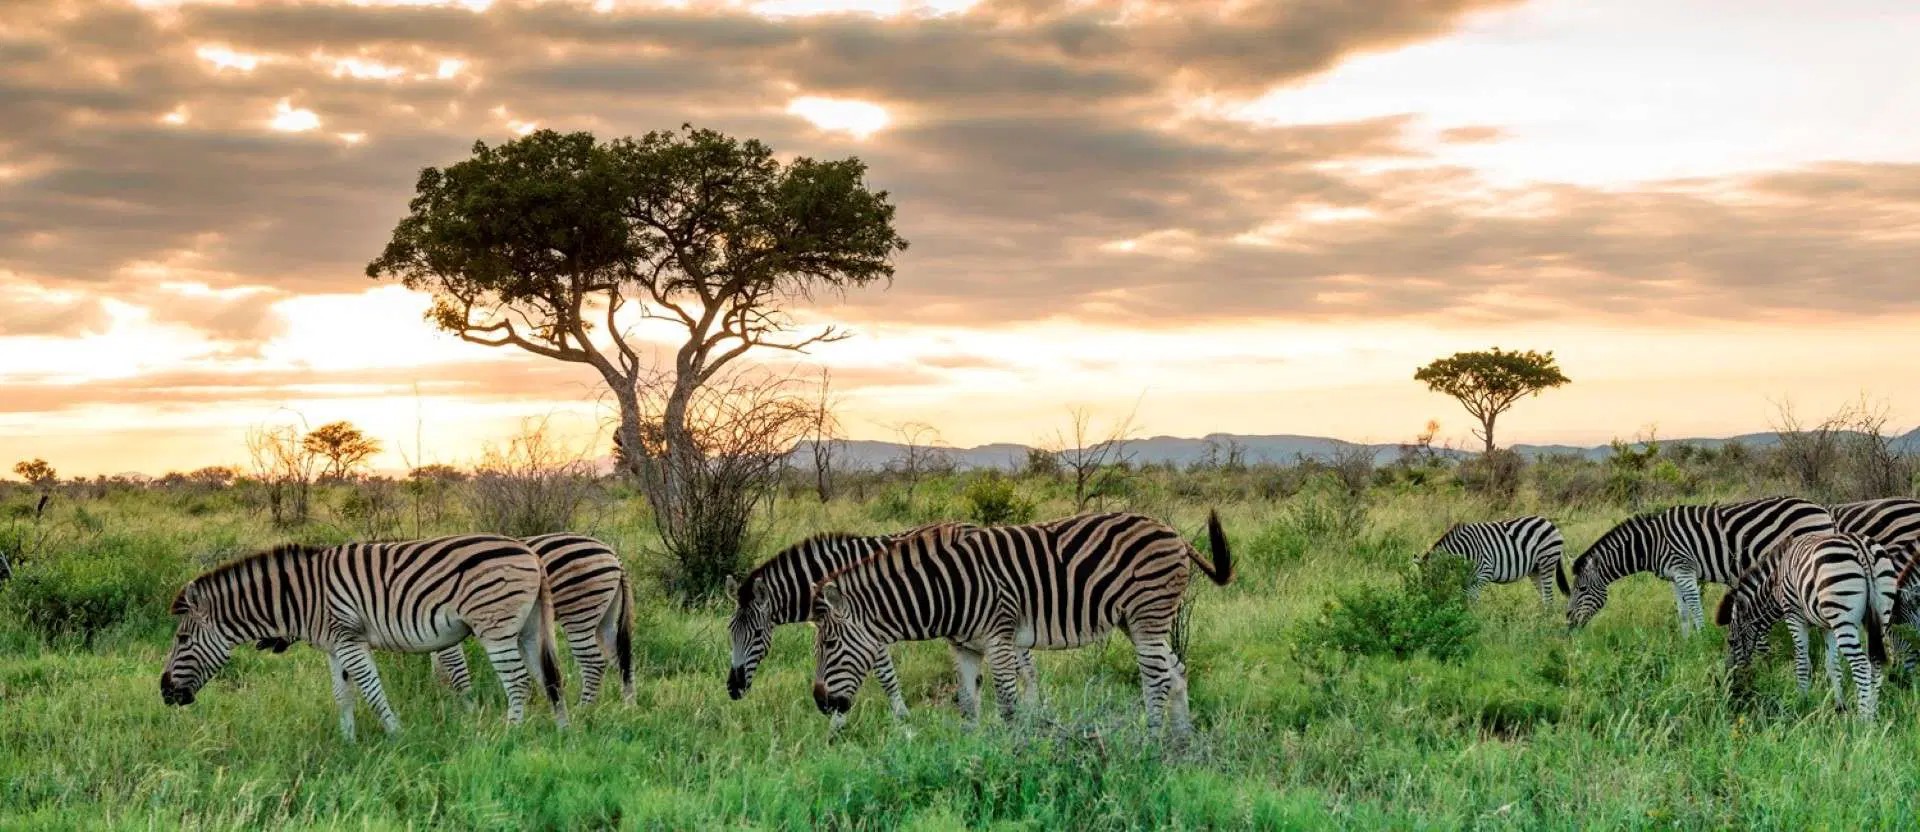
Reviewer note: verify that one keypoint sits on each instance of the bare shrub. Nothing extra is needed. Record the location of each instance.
(532, 486)
(284, 467)
(372, 507)
(742, 426)
(1494, 474)
(1873, 468)
(1352, 465)
(1809, 453)
(1095, 460)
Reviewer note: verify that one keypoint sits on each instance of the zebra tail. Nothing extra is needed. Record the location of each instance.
(623, 634)
(1876, 637)
(549, 657)
(1723, 612)
(1560, 577)
(1220, 571)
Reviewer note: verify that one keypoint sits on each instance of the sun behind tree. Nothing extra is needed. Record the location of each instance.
(1488, 383)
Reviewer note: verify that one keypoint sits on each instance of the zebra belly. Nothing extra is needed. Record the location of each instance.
(420, 637)
(1024, 635)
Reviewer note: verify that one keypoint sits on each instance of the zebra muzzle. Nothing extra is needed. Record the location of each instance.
(738, 683)
(828, 703)
(173, 695)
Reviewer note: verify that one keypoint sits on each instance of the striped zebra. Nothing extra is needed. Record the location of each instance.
(1841, 583)
(779, 592)
(349, 600)
(593, 605)
(1687, 545)
(1505, 551)
(996, 590)
(1893, 522)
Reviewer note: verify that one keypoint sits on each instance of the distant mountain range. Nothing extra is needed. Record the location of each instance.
(1278, 448)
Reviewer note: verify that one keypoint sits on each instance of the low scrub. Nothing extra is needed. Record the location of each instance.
(80, 592)
(1426, 615)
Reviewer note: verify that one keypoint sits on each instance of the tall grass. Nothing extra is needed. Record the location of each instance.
(1622, 725)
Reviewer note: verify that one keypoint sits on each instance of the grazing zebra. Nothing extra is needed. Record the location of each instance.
(1687, 545)
(349, 600)
(1841, 583)
(1506, 551)
(592, 604)
(779, 591)
(994, 591)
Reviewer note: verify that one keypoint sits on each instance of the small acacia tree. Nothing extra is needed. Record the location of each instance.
(37, 473)
(1488, 383)
(344, 448)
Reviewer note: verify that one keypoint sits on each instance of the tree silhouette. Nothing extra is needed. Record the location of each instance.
(1488, 383)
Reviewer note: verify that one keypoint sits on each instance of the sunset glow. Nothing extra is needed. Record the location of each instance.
(1233, 221)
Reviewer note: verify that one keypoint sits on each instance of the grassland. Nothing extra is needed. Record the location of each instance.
(1623, 725)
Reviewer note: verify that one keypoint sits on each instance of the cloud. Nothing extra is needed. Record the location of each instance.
(1049, 160)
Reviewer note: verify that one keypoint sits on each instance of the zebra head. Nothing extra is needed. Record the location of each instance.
(1747, 612)
(844, 649)
(1439, 547)
(1595, 568)
(751, 630)
(200, 648)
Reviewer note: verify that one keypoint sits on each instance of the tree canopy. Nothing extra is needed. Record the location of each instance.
(1488, 383)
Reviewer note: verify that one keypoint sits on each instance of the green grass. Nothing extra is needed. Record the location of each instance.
(1623, 725)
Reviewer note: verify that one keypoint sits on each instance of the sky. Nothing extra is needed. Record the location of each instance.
(1252, 217)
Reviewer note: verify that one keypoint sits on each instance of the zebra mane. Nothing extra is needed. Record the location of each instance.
(179, 598)
(745, 594)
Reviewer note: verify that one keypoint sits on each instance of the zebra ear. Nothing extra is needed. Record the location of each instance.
(179, 603)
(733, 586)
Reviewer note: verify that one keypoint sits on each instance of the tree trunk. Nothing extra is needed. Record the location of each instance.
(1486, 432)
(632, 451)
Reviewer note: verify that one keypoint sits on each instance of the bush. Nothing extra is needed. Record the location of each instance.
(991, 501)
(1326, 510)
(1427, 614)
(1494, 474)
(80, 592)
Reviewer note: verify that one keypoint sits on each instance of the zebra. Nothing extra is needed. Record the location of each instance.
(593, 605)
(1841, 583)
(1506, 551)
(779, 591)
(349, 600)
(993, 591)
(1687, 545)
(1893, 522)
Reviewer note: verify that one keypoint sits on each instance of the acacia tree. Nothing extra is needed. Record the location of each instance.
(343, 446)
(1488, 383)
(541, 241)
(37, 473)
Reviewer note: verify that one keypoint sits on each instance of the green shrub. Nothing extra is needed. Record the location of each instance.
(992, 501)
(1427, 614)
(82, 591)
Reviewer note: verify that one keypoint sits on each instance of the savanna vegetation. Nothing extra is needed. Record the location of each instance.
(1332, 685)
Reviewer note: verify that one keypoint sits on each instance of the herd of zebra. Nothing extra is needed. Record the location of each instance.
(1847, 570)
(995, 593)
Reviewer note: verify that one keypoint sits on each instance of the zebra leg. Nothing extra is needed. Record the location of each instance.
(450, 666)
(1473, 588)
(356, 659)
(1802, 662)
(1029, 681)
(1543, 581)
(890, 681)
(587, 652)
(511, 667)
(966, 663)
(1004, 660)
(342, 693)
(1864, 681)
(1686, 594)
(1833, 665)
(1159, 670)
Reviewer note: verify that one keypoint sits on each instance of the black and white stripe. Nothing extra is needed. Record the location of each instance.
(1688, 545)
(1505, 551)
(1893, 522)
(994, 591)
(592, 604)
(780, 591)
(349, 600)
(1840, 583)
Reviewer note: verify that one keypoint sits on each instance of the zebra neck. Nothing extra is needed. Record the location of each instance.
(280, 593)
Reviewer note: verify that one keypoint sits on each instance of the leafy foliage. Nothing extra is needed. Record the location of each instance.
(992, 500)
(1427, 615)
